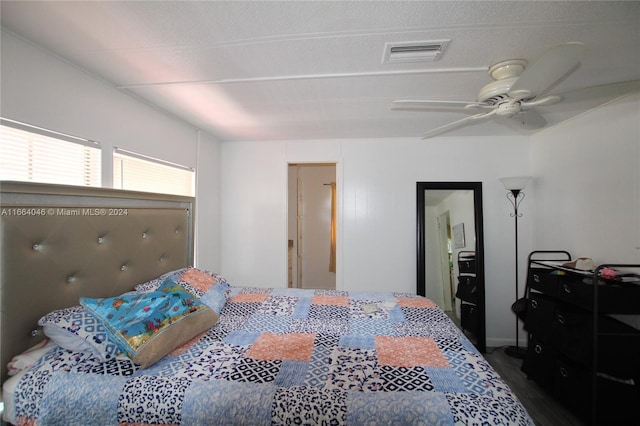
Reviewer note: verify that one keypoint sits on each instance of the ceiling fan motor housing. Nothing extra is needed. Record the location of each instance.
(496, 89)
(508, 109)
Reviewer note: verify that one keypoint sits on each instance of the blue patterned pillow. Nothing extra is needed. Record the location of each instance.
(147, 326)
(153, 284)
(78, 330)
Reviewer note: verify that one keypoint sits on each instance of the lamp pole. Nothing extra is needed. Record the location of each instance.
(515, 196)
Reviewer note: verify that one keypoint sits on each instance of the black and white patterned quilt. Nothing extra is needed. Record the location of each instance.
(286, 356)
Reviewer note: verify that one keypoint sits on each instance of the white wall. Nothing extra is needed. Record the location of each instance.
(587, 184)
(208, 203)
(376, 210)
(42, 90)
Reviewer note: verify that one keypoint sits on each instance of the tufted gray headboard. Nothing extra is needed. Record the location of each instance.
(58, 243)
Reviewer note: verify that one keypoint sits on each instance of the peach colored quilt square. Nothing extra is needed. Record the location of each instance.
(249, 298)
(198, 279)
(284, 347)
(321, 299)
(409, 352)
(415, 302)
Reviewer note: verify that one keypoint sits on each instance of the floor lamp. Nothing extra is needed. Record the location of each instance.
(514, 186)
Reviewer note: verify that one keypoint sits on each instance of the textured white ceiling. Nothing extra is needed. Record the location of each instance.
(313, 70)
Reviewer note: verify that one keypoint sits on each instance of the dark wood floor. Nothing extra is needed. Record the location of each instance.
(542, 408)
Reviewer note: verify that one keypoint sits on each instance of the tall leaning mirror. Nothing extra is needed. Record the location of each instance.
(450, 254)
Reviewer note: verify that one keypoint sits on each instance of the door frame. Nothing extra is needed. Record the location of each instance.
(445, 270)
(297, 260)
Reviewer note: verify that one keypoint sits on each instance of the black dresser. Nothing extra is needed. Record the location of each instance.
(577, 351)
(467, 291)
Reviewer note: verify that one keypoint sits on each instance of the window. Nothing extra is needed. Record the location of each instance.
(140, 173)
(29, 153)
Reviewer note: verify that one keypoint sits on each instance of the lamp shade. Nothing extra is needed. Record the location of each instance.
(515, 183)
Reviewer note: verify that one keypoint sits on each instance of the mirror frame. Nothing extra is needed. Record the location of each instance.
(476, 187)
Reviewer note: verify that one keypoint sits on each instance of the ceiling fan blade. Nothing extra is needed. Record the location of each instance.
(529, 120)
(551, 67)
(543, 101)
(424, 104)
(602, 92)
(459, 123)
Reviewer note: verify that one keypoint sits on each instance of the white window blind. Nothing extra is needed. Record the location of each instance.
(29, 153)
(140, 173)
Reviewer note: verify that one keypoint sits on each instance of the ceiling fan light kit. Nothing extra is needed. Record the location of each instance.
(508, 68)
(505, 74)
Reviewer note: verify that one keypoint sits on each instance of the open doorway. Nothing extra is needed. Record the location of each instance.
(312, 226)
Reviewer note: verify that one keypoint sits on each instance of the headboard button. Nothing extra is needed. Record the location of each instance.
(36, 332)
(144, 235)
(100, 240)
(36, 247)
(123, 267)
(71, 279)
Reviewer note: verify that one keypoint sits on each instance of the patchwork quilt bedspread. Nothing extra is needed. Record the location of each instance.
(286, 356)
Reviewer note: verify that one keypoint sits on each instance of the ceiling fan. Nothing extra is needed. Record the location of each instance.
(517, 91)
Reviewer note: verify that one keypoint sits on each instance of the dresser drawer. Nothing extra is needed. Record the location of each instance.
(572, 335)
(618, 344)
(541, 310)
(469, 317)
(544, 280)
(616, 400)
(467, 266)
(612, 297)
(576, 288)
(467, 289)
(573, 387)
(540, 363)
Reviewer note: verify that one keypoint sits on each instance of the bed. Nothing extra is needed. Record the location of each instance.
(259, 356)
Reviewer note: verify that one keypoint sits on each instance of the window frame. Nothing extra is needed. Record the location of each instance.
(125, 153)
(87, 178)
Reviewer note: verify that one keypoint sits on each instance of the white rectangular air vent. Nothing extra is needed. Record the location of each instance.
(414, 51)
